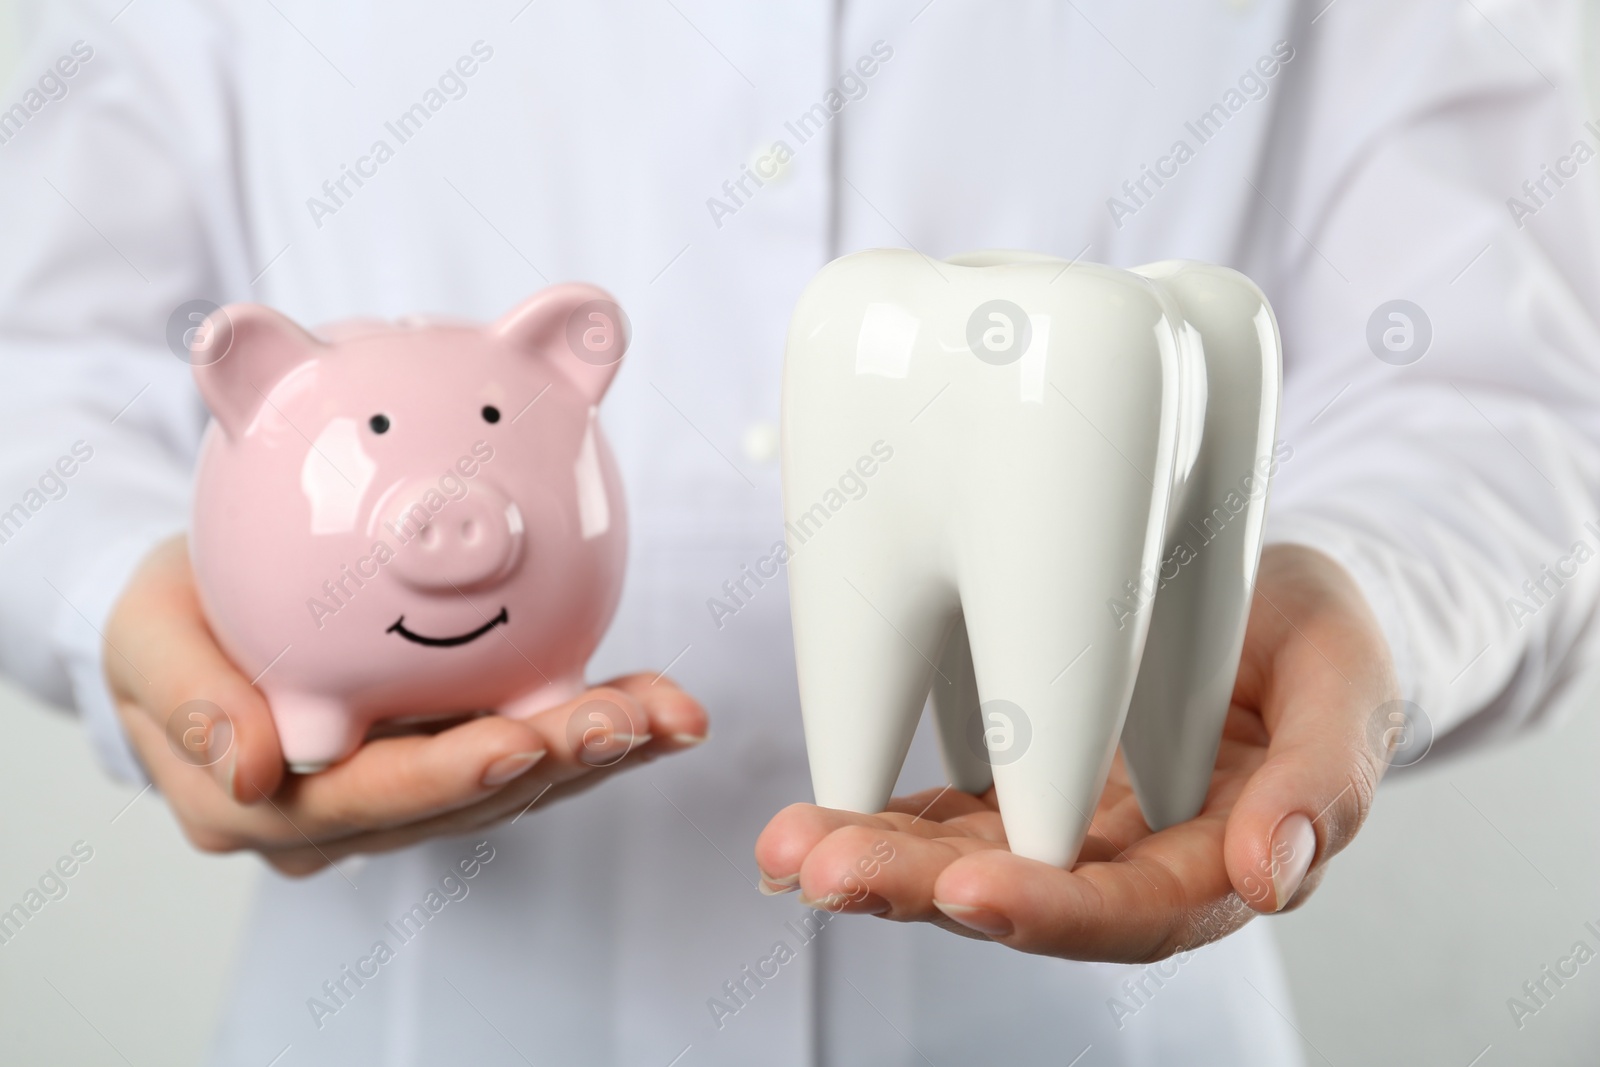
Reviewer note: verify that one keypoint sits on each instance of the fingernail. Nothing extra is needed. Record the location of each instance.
(771, 885)
(836, 902)
(228, 776)
(980, 919)
(506, 768)
(1293, 845)
(688, 740)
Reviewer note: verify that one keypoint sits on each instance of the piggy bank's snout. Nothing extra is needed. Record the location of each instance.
(445, 542)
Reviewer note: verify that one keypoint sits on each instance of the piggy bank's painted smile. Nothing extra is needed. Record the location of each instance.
(447, 642)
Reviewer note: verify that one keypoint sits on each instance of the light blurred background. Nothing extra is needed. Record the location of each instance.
(1471, 877)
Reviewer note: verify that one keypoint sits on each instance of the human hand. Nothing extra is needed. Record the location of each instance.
(1294, 781)
(394, 791)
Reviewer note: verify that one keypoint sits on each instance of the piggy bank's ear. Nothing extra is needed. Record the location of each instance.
(578, 328)
(258, 347)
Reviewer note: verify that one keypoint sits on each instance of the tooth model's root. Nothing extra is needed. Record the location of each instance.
(867, 647)
(1213, 544)
(957, 711)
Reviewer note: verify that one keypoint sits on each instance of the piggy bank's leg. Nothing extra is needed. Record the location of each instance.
(1213, 545)
(955, 708)
(865, 641)
(314, 731)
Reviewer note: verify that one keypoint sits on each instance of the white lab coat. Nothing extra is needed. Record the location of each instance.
(594, 143)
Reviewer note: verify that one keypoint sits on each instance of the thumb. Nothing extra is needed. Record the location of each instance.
(1318, 688)
(214, 717)
(1301, 807)
(162, 657)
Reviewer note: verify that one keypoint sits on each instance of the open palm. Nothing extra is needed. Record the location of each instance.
(1294, 780)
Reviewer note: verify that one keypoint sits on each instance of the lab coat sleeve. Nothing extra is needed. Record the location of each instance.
(116, 200)
(1459, 490)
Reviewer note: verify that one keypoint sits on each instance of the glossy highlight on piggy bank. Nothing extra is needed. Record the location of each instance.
(410, 519)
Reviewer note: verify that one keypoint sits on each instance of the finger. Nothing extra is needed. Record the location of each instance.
(1303, 805)
(210, 819)
(876, 870)
(169, 664)
(521, 796)
(407, 786)
(572, 764)
(415, 779)
(544, 786)
(385, 784)
(400, 780)
(594, 730)
(676, 719)
(1169, 894)
(1313, 791)
(791, 835)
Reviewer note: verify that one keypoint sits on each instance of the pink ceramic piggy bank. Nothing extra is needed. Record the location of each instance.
(407, 520)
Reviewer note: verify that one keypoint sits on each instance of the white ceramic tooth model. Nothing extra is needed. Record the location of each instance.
(1037, 485)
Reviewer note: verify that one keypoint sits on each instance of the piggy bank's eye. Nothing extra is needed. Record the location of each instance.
(379, 423)
(491, 413)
